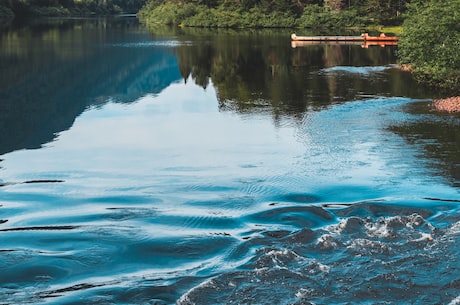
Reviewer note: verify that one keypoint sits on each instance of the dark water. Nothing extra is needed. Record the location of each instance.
(168, 166)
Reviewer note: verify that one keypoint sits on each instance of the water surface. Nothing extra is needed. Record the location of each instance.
(162, 166)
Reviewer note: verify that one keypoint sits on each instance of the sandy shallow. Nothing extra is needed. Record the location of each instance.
(451, 104)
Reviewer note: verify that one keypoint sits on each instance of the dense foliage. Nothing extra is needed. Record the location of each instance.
(431, 42)
(23, 8)
(273, 13)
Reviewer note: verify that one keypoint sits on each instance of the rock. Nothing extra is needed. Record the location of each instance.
(450, 104)
(406, 68)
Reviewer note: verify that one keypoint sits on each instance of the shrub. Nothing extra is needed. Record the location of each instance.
(230, 16)
(6, 12)
(168, 13)
(430, 43)
(315, 16)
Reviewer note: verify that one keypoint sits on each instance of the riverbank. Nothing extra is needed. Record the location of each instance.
(237, 16)
(27, 8)
(450, 105)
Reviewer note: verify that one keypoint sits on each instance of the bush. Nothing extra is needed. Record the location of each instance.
(430, 43)
(315, 16)
(168, 13)
(49, 11)
(228, 15)
(203, 16)
(6, 13)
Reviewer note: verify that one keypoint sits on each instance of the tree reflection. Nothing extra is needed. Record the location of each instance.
(53, 70)
(437, 136)
(258, 71)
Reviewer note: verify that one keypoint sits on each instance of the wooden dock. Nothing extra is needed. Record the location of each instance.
(363, 44)
(363, 38)
(294, 37)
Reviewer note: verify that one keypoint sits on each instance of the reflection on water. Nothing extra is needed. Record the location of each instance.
(257, 71)
(52, 72)
(438, 137)
(192, 166)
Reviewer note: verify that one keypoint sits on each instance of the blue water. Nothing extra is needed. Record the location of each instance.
(153, 192)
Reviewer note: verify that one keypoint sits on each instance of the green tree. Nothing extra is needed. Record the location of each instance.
(69, 7)
(430, 43)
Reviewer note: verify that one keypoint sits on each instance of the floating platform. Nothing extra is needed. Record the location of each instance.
(362, 38)
(294, 37)
(362, 43)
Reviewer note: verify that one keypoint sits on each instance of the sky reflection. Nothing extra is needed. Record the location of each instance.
(179, 128)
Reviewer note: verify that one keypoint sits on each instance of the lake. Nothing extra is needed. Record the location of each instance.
(193, 166)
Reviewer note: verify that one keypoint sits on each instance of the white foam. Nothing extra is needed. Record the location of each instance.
(185, 299)
(378, 229)
(425, 237)
(326, 241)
(455, 301)
(454, 229)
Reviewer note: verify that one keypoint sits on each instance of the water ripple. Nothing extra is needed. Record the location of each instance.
(356, 70)
(154, 43)
(369, 256)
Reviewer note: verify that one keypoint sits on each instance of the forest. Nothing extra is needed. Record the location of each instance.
(275, 13)
(55, 8)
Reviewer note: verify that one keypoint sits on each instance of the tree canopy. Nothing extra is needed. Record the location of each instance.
(274, 13)
(430, 43)
(23, 8)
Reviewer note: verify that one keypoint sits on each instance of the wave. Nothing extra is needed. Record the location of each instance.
(374, 253)
(297, 252)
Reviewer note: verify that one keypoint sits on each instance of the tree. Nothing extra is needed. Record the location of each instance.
(431, 42)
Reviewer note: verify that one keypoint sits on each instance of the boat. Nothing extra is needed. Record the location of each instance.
(363, 37)
(381, 37)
